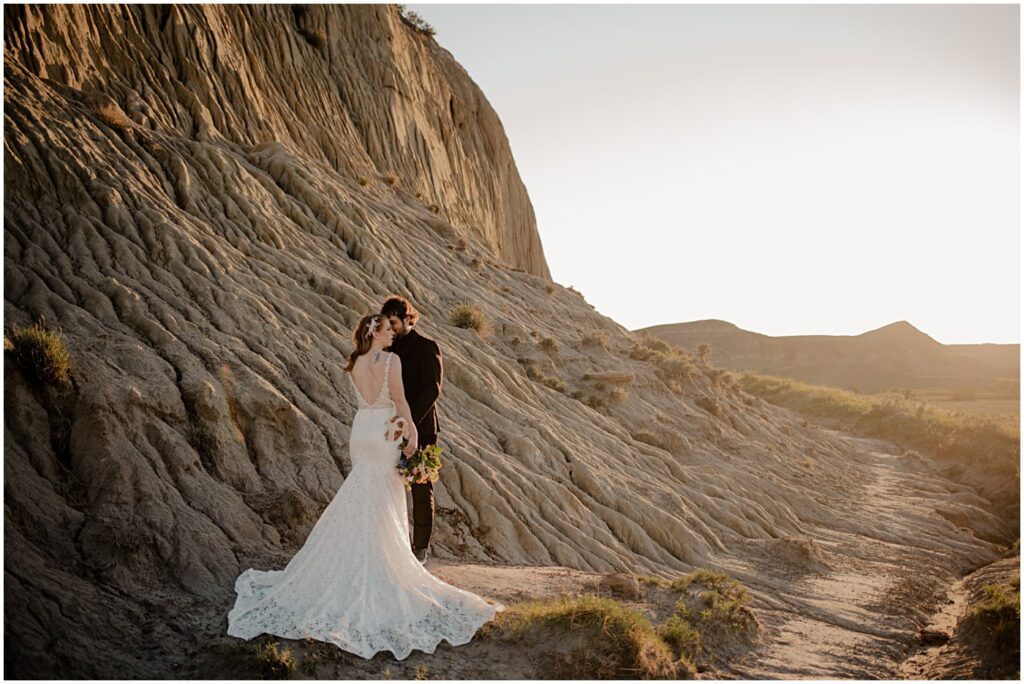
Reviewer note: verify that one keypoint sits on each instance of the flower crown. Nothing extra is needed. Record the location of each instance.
(372, 327)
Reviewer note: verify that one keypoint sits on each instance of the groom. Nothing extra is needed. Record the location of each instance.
(422, 376)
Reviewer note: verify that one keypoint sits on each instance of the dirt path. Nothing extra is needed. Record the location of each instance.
(888, 569)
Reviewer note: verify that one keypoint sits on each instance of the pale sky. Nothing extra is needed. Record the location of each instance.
(792, 169)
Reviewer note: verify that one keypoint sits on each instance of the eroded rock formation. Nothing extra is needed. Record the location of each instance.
(205, 200)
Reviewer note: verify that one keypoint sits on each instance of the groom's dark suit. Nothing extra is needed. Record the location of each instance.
(422, 377)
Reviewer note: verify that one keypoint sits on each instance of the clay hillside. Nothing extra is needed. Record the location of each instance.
(204, 200)
(894, 356)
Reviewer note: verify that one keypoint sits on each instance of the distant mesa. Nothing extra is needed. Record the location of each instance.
(897, 355)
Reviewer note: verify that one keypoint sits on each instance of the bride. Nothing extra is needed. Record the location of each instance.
(355, 582)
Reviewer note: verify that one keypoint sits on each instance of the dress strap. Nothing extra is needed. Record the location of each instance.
(385, 390)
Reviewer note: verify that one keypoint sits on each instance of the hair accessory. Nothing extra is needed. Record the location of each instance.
(372, 327)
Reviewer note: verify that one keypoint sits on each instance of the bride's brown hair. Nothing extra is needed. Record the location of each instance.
(362, 338)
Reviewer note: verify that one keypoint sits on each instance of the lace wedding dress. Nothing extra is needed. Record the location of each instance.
(355, 582)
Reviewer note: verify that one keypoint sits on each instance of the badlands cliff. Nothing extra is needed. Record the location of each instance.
(206, 199)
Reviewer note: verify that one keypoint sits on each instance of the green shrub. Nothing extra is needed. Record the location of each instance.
(999, 613)
(714, 602)
(682, 637)
(40, 353)
(415, 21)
(620, 642)
(469, 317)
(549, 344)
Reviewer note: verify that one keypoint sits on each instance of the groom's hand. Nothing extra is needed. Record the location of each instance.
(410, 448)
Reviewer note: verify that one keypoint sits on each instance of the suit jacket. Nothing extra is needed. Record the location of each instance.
(422, 377)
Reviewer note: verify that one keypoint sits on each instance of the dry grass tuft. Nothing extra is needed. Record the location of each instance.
(998, 614)
(549, 344)
(674, 365)
(596, 338)
(618, 642)
(275, 663)
(471, 318)
(41, 353)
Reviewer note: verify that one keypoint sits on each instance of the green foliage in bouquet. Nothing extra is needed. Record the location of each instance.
(422, 466)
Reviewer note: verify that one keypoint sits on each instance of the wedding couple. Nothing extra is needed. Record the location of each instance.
(356, 582)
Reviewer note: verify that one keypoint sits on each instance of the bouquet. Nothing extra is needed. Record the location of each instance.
(422, 466)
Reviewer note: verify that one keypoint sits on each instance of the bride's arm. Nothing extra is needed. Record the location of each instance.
(402, 406)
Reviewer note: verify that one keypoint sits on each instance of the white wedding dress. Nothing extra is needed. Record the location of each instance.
(355, 582)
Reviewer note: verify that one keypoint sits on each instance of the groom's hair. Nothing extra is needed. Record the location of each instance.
(399, 306)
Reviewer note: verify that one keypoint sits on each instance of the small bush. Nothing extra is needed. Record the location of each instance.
(515, 341)
(41, 353)
(618, 395)
(703, 350)
(556, 384)
(549, 344)
(469, 317)
(415, 21)
(721, 378)
(391, 179)
(999, 613)
(717, 603)
(533, 371)
(364, 181)
(624, 644)
(577, 394)
(709, 404)
(275, 663)
(550, 288)
(477, 264)
(596, 338)
(682, 638)
(594, 402)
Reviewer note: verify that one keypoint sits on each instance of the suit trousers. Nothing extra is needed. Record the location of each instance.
(423, 505)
